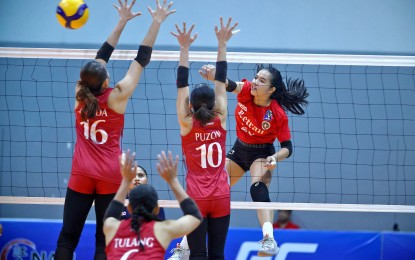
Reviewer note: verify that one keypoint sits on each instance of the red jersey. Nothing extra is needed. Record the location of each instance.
(97, 145)
(204, 152)
(125, 244)
(289, 225)
(259, 125)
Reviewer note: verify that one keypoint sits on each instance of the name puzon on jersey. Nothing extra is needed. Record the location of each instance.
(207, 136)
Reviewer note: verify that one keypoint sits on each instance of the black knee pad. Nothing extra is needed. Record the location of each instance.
(259, 192)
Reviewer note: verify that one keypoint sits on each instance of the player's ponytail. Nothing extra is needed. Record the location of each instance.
(92, 75)
(292, 97)
(136, 223)
(89, 101)
(143, 200)
(202, 99)
(136, 220)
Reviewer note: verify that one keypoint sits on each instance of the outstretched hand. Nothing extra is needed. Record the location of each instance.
(161, 12)
(225, 32)
(166, 167)
(184, 37)
(124, 10)
(128, 165)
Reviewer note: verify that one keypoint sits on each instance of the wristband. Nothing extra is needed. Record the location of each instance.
(104, 53)
(182, 77)
(114, 210)
(221, 70)
(144, 55)
(189, 207)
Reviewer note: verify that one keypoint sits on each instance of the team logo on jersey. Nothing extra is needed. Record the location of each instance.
(267, 117)
(266, 125)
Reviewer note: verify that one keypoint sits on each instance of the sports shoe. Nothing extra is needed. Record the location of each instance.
(179, 253)
(269, 247)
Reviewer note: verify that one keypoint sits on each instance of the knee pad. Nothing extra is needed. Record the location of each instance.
(259, 192)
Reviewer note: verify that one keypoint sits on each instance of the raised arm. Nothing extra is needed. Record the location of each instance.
(182, 103)
(124, 10)
(192, 218)
(223, 34)
(125, 88)
(208, 72)
(113, 213)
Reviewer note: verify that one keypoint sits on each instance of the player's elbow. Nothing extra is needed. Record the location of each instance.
(287, 145)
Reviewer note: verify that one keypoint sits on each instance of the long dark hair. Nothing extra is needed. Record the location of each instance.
(92, 75)
(291, 97)
(143, 199)
(202, 99)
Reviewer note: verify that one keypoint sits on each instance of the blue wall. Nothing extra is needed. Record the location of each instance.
(319, 26)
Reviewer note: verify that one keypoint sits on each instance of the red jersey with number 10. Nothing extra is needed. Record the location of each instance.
(204, 151)
(97, 145)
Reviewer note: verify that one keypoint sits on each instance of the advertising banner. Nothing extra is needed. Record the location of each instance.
(36, 239)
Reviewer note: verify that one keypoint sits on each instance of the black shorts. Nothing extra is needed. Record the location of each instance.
(245, 154)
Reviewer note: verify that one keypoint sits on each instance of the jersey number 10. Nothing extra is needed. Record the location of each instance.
(207, 156)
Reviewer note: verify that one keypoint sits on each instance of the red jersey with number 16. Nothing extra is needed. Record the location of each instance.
(97, 145)
(204, 151)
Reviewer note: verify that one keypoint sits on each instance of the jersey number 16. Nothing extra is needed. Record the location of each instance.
(92, 133)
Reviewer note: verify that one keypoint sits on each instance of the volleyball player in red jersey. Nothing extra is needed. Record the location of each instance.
(203, 132)
(99, 112)
(260, 119)
(144, 236)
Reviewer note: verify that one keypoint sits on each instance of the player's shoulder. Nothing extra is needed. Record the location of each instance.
(278, 111)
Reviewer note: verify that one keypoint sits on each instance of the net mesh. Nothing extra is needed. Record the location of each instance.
(354, 145)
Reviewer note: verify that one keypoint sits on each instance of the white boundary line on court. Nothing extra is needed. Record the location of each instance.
(243, 205)
(204, 56)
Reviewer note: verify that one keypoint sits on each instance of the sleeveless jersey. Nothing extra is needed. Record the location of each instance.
(125, 244)
(204, 154)
(97, 145)
(259, 125)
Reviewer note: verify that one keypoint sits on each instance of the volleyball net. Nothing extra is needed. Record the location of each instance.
(354, 148)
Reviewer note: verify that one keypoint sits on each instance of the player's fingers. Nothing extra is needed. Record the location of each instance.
(229, 22)
(191, 28)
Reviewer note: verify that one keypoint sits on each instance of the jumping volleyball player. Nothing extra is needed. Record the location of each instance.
(144, 236)
(261, 118)
(99, 112)
(203, 132)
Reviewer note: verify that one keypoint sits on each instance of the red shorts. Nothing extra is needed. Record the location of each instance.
(214, 208)
(88, 185)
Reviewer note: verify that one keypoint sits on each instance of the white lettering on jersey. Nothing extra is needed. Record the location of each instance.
(101, 112)
(133, 242)
(207, 136)
(250, 128)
